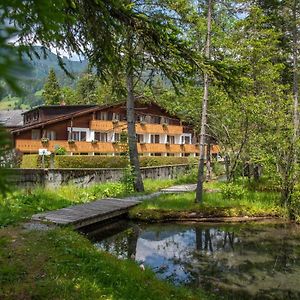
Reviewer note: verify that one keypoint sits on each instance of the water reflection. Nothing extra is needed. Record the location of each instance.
(250, 261)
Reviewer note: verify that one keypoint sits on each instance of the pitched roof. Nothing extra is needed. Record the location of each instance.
(72, 115)
(62, 118)
(45, 107)
(11, 118)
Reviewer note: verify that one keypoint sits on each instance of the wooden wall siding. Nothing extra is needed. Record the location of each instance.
(60, 129)
(31, 146)
(99, 125)
(82, 121)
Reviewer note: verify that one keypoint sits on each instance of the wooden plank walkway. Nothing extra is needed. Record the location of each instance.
(88, 213)
(184, 188)
(101, 210)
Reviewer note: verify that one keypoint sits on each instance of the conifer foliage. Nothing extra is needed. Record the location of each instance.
(52, 93)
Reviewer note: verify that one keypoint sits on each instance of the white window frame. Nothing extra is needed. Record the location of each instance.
(183, 136)
(79, 129)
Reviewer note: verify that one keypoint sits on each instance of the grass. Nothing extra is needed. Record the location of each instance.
(215, 204)
(21, 205)
(61, 264)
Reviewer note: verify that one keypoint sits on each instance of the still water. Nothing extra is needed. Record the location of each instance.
(260, 261)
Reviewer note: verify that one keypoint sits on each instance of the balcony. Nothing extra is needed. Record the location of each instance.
(99, 125)
(33, 146)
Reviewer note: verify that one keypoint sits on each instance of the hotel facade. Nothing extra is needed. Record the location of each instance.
(98, 130)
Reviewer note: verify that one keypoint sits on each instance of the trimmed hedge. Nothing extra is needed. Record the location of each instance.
(33, 161)
(89, 161)
(152, 161)
(97, 161)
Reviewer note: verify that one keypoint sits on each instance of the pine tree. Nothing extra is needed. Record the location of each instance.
(52, 93)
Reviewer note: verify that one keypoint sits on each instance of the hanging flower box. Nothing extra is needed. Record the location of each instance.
(115, 121)
(165, 125)
(143, 123)
(71, 142)
(94, 142)
(44, 140)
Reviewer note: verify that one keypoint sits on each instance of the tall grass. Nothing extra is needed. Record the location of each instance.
(251, 204)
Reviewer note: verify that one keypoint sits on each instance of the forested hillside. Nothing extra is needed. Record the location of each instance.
(39, 66)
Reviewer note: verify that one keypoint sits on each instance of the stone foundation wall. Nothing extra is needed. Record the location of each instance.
(53, 178)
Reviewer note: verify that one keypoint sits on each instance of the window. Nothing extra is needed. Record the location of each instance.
(155, 119)
(101, 136)
(101, 115)
(27, 118)
(148, 119)
(155, 138)
(140, 138)
(109, 116)
(74, 135)
(141, 118)
(116, 116)
(35, 116)
(171, 139)
(117, 137)
(35, 134)
(164, 120)
(77, 135)
(170, 154)
(185, 139)
(51, 135)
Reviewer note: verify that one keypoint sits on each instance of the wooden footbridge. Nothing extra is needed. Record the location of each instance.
(93, 212)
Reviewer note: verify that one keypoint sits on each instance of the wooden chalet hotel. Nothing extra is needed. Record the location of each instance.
(96, 130)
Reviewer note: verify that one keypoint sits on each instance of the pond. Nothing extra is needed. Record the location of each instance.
(245, 261)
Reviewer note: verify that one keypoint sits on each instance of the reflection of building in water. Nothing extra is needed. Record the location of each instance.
(251, 261)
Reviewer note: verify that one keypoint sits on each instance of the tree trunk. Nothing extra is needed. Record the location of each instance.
(208, 162)
(227, 167)
(132, 143)
(199, 192)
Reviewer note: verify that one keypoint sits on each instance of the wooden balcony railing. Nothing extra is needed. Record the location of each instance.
(99, 125)
(33, 146)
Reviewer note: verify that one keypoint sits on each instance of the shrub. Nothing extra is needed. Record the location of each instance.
(128, 180)
(34, 161)
(96, 161)
(294, 209)
(60, 150)
(218, 168)
(149, 161)
(231, 191)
